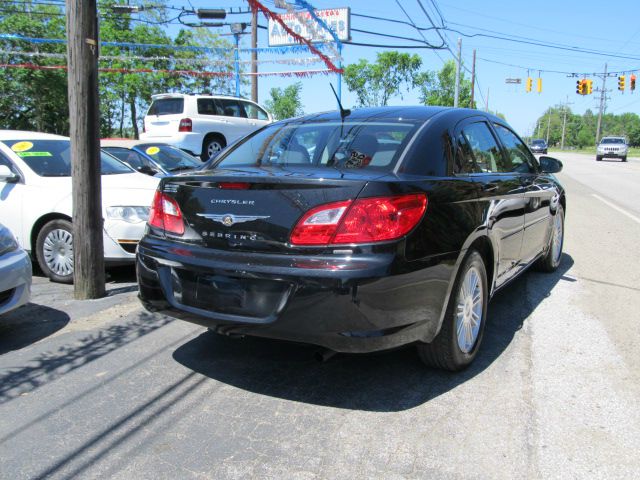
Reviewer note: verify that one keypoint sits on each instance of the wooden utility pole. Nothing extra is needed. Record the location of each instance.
(254, 54)
(82, 52)
(473, 78)
(458, 62)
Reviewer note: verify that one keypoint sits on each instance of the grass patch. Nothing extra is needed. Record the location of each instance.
(633, 151)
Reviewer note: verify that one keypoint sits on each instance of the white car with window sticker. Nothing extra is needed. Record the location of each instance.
(35, 201)
(201, 124)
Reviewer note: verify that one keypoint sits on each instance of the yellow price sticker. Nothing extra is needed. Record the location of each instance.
(21, 146)
(152, 150)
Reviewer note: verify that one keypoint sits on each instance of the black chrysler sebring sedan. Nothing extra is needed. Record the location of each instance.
(355, 231)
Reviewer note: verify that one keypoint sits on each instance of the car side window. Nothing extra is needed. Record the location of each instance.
(254, 112)
(207, 106)
(484, 148)
(519, 157)
(464, 162)
(232, 108)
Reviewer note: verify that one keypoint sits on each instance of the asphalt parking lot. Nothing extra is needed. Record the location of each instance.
(103, 389)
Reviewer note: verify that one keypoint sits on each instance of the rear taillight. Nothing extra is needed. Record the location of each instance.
(166, 215)
(365, 220)
(186, 125)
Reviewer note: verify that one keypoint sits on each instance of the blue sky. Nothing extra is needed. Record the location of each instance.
(612, 29)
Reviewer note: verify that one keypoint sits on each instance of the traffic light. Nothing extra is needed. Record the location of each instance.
(529, 84)
(589, 87)
(621, 83)
(539, 85)
(632, 82)
(580, 87)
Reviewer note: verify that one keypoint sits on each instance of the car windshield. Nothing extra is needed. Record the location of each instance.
(356, 144)
(52, 158)
(170, 158)
(538, 142)
(612, 140)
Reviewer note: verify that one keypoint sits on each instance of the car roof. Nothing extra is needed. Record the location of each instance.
(27, 135)
(160, 96)
(419, 113)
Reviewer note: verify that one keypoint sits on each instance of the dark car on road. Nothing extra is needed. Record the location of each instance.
(355, 232)
(538, 145)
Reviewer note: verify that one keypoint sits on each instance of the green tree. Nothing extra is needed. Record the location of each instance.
(33, 99)
(375, 83)
(285, 103)
(438, 88)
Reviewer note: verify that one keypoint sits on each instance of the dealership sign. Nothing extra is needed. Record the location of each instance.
(302, 23)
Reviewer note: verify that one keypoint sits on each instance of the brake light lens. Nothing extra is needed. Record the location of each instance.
(234, 185)
(365, 220)
(186, 125)
(318, 225)
(166, 215)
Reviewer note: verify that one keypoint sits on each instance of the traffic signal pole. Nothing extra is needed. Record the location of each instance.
(84, 121)
(601, 110)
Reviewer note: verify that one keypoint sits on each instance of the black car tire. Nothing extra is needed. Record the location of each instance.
(550, 262)
(444, 351)
(598, 158)
(56, 228)
(212, 142)
(624, 159)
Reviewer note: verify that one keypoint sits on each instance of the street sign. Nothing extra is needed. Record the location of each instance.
(302, 23)
(513, 80)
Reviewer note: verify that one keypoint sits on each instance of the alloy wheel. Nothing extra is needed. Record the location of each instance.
(558, 234)
(469, 310)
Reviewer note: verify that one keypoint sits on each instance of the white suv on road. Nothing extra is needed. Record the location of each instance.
(201, 124)
(612, 147)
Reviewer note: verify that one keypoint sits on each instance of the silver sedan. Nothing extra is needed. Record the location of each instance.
(15, 273)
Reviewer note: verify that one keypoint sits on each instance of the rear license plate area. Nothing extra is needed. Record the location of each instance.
(219, 293)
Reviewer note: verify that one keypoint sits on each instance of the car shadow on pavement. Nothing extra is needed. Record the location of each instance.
(29, 324)
(384, 382)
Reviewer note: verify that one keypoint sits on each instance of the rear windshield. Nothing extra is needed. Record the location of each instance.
(52, 158)
(166, 106)
(330, 144)
(170, 158)
(612, 140)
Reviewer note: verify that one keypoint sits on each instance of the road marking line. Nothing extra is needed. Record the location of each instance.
(615, 207)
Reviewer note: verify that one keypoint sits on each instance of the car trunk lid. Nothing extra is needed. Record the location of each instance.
(256, 208)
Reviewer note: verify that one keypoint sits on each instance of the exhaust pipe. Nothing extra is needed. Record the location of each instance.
(324, 355)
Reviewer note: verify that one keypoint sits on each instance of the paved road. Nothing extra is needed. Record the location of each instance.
(105, 390)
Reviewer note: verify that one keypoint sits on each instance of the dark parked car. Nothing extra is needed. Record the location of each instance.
(538, 145)
(391, 226)
(150, 158)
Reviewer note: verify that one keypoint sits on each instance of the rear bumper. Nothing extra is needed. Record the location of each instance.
(346, 305)
(15, 280)
(191, 141)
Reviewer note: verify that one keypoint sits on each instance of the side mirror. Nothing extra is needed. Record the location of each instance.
(6, 175)
(550, 164)
(147, 170)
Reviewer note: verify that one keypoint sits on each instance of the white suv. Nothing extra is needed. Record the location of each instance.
(201, 124)
(612, 147)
